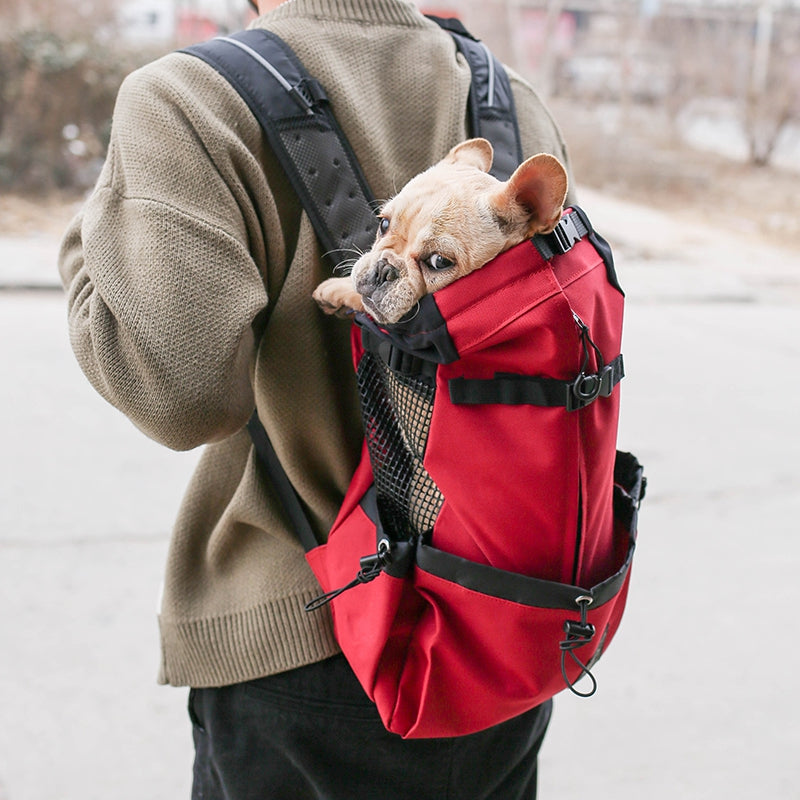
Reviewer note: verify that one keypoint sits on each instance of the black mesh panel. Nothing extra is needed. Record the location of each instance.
(396, 411)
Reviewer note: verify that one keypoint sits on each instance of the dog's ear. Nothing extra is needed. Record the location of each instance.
(475, 152)
(533, 195)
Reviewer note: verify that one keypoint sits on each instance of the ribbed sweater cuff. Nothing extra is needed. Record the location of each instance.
(251, 644)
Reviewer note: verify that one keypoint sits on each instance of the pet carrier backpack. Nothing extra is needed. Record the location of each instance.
(481, 559)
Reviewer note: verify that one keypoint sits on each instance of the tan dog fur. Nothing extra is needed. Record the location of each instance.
(445, 223)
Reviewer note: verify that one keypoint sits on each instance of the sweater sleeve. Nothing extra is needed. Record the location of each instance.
(162, 287)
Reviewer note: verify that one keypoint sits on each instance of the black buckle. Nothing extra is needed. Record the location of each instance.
(565, 234)
(577, 631)
(585, 389)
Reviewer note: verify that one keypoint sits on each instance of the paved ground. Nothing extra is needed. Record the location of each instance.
(697, 697)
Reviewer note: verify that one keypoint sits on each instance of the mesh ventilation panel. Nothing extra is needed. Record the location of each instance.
(396, 411)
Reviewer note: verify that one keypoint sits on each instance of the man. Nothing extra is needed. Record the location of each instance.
(189, 275)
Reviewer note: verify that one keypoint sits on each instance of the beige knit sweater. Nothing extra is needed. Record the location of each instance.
(189, 275)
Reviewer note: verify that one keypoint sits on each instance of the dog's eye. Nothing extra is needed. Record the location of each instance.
(383, 225)
(438, 262)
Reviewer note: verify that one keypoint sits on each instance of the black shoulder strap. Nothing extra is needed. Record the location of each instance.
(281, 483)
(296, 116)
(491, 103)
(294, 111)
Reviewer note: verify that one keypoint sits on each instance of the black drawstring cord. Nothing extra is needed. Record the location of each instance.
(587, 388)
(578, 633)
(324, 599)
(371, 567)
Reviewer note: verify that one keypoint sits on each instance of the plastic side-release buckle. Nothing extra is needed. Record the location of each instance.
(570, 229)
(566, 233)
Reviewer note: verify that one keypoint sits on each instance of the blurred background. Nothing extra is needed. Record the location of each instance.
(682, 118)
(675, 101)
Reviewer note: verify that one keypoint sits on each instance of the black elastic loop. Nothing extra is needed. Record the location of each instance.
(579, 633)
(584, 671)
(323, 599)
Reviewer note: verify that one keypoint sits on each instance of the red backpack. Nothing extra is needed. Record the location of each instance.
(491, 520)
(481, 559)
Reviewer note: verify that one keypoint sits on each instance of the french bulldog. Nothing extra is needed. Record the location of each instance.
(443, 224)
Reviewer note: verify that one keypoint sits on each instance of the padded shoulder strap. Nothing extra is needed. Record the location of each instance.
(491, 103)
(295, 114)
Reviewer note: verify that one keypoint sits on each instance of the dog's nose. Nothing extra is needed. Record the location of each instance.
(385, 272)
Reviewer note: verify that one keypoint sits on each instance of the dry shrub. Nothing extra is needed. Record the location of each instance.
(58, 82)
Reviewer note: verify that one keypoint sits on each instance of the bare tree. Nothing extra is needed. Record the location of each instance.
(60, 69)
(772, 101)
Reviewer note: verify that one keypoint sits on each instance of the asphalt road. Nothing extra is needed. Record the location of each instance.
(697, 696)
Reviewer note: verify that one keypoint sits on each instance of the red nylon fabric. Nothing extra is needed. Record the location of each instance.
(527, 489)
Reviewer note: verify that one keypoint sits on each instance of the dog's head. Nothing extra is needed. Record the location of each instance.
(449, 221)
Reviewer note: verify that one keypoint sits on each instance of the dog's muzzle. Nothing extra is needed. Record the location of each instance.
(381, 273)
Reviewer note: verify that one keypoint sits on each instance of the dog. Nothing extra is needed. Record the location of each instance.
(443, 224)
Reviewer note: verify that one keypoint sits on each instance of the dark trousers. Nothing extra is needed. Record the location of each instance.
(313, 734)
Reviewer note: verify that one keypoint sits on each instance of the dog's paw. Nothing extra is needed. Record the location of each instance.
(337, 296)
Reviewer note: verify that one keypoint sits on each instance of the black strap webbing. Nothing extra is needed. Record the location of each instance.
(491, 105)
(514, 390)
(281, 483)
(294, 111)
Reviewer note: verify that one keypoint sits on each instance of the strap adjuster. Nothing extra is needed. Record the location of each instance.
(397, 359)
(585, 389)
(405, 363)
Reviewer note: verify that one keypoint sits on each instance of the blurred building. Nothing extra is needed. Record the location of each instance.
(181, 21)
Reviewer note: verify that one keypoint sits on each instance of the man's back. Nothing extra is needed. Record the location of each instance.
(190, 273)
